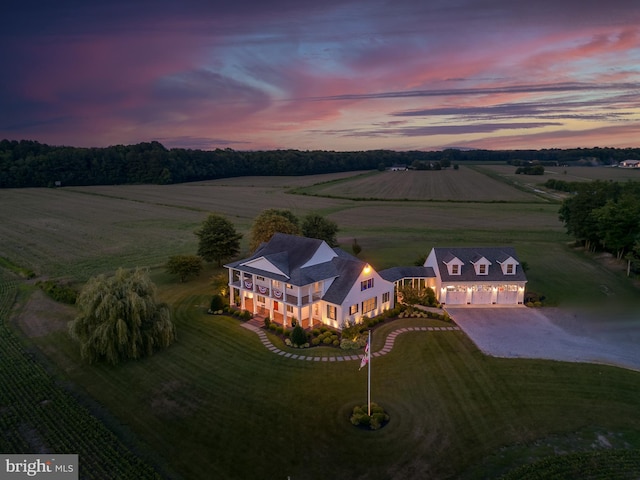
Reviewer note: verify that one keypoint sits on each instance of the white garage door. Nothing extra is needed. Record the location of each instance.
(481, 294)
(508, 294)
(456, 295)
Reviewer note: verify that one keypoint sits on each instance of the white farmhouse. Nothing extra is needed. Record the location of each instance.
(304, 278)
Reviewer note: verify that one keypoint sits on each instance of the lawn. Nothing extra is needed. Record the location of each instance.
(219, 395)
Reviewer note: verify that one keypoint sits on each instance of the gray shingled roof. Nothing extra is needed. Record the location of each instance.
(348, 271)
(290, 252)
(469, 254)
(398, 273)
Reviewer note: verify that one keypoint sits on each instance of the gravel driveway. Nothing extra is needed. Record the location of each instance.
(552, 333)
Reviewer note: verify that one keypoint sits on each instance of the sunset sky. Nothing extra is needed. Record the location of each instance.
(329, 74)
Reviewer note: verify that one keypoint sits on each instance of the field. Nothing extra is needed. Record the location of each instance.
(217, 404)
(464, 184)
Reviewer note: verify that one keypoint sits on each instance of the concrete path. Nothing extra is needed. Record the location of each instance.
(388, 344)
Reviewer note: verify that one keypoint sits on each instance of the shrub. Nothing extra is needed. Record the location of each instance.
(323, 329)
(279, 329)
(272, 327)
(315, 342)
(267, 322)
(58, 291)
(327, 340)
(377, 419)
(217, 303)
(298, 335)
(315, 332)
(336, 343)
(287, 333)
(333, 337)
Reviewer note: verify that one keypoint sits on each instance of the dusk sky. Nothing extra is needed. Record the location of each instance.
(329, 74)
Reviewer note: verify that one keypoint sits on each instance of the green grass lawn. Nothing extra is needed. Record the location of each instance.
(218, 404)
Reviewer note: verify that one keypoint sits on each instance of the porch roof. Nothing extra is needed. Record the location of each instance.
(398, 273)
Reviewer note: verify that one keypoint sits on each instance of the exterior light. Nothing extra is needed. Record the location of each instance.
(367, 269)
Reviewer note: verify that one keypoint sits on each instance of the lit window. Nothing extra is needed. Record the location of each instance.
(289, 308)
(369, 305)
(331, 312)
(353, 309)
(366, 284)
(454, 269)
(510, 268)
(483, 270)
(385, 297)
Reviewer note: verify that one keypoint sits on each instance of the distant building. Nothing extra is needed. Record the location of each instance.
(630, 164)
(398, 168)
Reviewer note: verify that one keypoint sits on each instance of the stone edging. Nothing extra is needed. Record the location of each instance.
(388, 344)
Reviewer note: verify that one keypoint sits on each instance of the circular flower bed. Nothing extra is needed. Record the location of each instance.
(378, 418)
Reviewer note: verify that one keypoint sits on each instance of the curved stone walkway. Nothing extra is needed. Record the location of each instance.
(388, 343)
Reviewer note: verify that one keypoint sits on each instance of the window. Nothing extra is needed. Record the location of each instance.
(331, 312)
(260, 278)
(509, 268)
(260, 299)
(482, 270)
(385, 297)
(353, 309)
(366, 284)
(454, 269)
(369, 305)
(290, 308)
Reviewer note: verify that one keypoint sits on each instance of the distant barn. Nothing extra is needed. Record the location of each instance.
(630, 164)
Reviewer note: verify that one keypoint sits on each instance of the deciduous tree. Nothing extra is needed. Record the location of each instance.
(316, 226)
(271, 221)
(218, 239)
(120, 318)
(184, 266)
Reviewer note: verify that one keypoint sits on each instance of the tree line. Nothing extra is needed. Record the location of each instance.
(604, 216)
(27, 163)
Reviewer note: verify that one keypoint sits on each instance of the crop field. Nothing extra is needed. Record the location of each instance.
(464, 184)
(568, 174)
(217, 404)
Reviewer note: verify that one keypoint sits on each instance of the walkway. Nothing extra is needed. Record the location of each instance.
(254, 326)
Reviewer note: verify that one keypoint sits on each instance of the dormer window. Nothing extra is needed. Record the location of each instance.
(508, 264)
(455, 269)
(481, 265)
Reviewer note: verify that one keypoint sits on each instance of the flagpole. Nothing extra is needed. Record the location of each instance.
(369, 382)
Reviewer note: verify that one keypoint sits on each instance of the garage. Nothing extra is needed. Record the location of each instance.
(507, 294)
(456, 295)
(481, 294)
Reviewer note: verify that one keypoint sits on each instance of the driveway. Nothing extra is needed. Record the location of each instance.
(553, 333)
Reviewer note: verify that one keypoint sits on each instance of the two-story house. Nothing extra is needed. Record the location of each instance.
(477, 275)
(292, 277)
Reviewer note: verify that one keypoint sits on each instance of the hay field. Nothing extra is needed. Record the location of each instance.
(77, 232)
(568, 174)
(464, 184)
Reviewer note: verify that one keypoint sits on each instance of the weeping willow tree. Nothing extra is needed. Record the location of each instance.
(120, 319)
